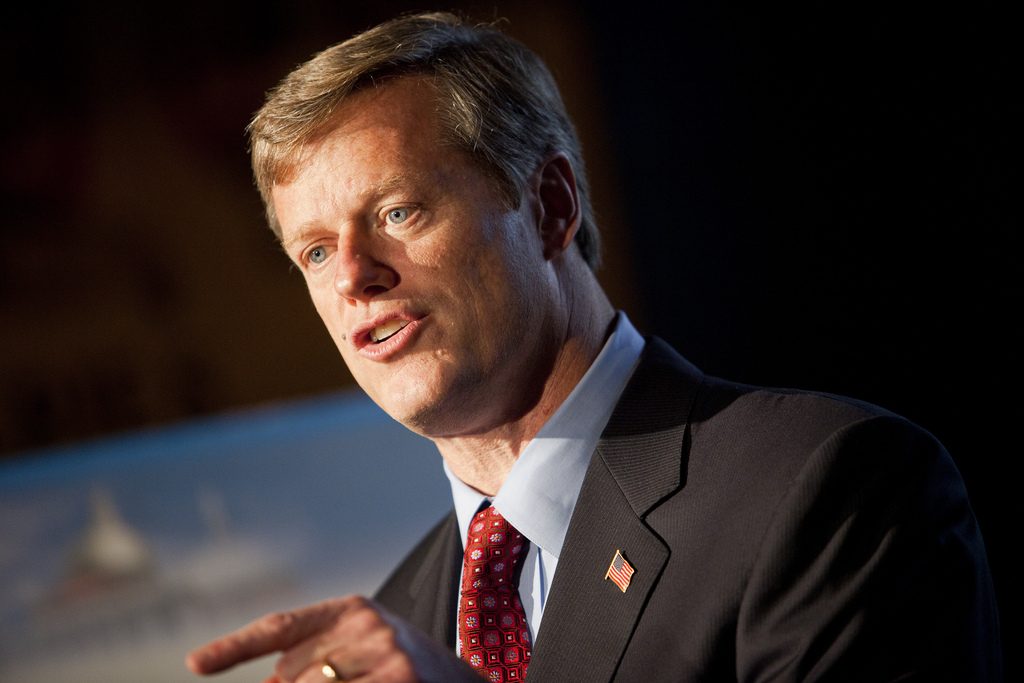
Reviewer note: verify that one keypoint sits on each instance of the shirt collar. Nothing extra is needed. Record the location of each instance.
(540, 492)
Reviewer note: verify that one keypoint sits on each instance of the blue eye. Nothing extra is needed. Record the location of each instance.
(396, 216)
(317, 255)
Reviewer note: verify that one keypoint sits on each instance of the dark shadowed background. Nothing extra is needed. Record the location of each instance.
(822, 198)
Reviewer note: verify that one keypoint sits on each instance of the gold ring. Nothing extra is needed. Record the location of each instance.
(330, 672)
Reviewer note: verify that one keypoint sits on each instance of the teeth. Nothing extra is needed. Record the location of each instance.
(382, 332)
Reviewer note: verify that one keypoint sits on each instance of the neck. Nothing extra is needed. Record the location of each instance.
(483, 460)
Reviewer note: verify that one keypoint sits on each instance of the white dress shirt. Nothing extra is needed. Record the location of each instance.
(540, 492)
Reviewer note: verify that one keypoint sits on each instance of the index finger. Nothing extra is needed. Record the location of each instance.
(271, 633)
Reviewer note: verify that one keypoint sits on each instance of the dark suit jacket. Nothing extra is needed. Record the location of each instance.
(776, 536)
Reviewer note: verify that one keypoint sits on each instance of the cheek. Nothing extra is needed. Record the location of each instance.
(331, 318)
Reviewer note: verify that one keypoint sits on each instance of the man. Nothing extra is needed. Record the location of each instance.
(638, 520)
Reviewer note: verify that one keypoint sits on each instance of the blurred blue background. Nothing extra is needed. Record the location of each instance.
(120, 554)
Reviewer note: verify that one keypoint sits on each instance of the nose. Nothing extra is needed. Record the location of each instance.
(359, 275)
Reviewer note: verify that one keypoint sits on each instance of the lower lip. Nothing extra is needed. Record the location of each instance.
(393, 345)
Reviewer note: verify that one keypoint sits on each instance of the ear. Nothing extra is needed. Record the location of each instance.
(559, 209)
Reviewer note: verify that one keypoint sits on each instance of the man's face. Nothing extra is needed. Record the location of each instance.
(436, 293)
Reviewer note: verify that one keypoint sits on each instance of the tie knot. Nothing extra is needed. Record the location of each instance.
(493, 549)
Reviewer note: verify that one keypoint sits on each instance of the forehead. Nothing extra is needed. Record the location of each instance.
(383, 142)
(397, 118)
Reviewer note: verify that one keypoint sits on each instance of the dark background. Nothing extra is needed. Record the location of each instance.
(824, 198)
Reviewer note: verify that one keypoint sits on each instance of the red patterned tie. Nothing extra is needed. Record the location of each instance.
(494, 635)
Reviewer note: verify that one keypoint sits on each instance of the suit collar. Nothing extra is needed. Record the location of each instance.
(640, 459)
(642, 443)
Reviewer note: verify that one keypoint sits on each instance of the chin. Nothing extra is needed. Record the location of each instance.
(426, 419)
(415, 407)
(436, 404)
(439, 414)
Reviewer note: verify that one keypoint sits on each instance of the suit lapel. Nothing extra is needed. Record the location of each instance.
(588, 620)
(434, 589)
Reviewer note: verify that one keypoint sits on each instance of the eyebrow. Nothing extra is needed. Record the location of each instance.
(389, 184)
(382, 188)
(303, 233)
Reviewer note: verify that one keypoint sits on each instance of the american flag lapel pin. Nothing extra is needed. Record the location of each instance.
(620, 571)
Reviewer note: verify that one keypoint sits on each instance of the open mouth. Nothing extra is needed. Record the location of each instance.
(387, 330)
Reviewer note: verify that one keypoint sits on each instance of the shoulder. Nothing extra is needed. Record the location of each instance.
(787, 434)
(745, 447)
(739, 425)
(785, 418)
